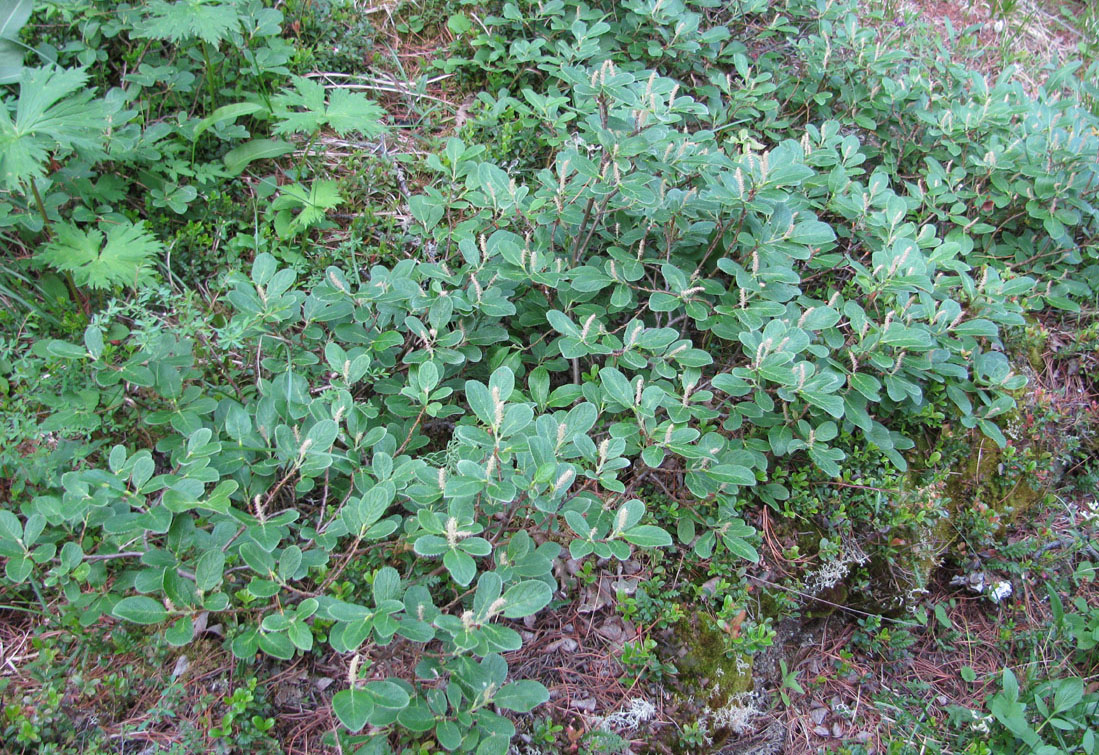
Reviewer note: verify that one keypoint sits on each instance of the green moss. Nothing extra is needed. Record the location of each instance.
(709, 674)
(1033, 343)
(980, 483)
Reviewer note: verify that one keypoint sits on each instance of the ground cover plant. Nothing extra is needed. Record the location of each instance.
(544, 377)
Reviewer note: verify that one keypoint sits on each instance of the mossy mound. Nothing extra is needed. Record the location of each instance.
(708, 673)
(983, 482)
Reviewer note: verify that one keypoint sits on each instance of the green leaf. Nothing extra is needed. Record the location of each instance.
(740, 547)
(867, 385)
(181, 632)
(238, 158)
(1010, 684)
(503, 381)
(140, 609)
(824, 460)
(417, 717)
(210, 21)
(539, 383)
(386, 694)
(480, 401)
(812, 233)
(300, 635)
(430, 545)
(93, 341)
(11, 60)
(246, 644)
(733, 474)
(516, 419)
(14, 15)
(353, 708)
(448, 734)
(829, 403)
(561, 322)
(311, 205)
(617, 386)
(349, 112)
(427, 212)
(18, 568)
(461, 567)
(10, 526)
(976, 327)
(628, 515)
(387, 585)
(1069, 693)
(1062, 302)
(906, 338)
(53, 112)
(992, 430)
(521, 696)
(476, 546)
(302, 109)
(122, 260)
(289, 562)
(648, 536)
(653, 456)
(276, 645)
(321, 436)
(526, 598)
(685, 530)
(458, 24)
(209, 569)
(226, 113)
(941, 616)
(257, 558)
(71, 555)
(661, 302)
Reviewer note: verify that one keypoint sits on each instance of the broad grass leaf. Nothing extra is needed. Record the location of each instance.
(238, 158)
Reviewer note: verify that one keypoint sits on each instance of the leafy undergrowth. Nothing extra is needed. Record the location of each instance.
(664, 376)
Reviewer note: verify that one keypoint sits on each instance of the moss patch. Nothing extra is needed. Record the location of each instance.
(981, 484)
(710, 675)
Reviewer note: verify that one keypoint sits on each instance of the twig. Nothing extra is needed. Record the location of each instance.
(837, 606)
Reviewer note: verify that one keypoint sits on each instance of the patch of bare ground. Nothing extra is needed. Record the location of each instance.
(871, 697)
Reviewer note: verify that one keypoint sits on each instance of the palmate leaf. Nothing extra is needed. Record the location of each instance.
(302, 110)
(312, 205)
(212, 21)
(91, 262)
(53, 111)
(350, 111)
